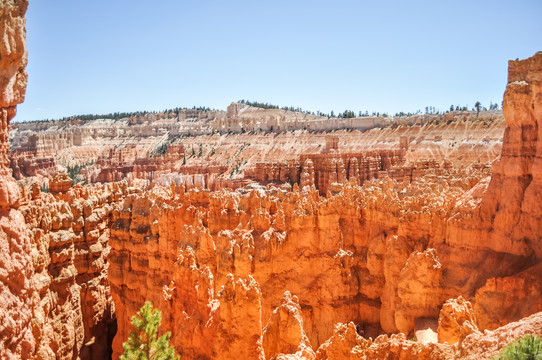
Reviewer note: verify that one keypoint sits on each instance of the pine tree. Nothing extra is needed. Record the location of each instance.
(478, 107)
(143, 343)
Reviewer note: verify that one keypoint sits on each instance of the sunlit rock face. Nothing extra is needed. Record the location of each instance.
(16, 288)
(72, 305)
(512, 206)
(511, 211)
(54, 294)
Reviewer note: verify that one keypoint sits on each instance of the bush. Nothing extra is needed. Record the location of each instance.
(528, 347)
(74, 172)
(161, 149)
(142, 343)
(44, 188)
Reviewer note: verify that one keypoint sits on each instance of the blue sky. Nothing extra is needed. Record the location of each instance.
(388, 56)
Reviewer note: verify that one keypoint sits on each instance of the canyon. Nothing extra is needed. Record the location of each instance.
(268, 233)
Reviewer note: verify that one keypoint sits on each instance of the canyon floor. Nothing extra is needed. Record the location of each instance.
(269, 233)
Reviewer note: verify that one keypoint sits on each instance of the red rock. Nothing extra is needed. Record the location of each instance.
(419, 290)
(16, 288)
(284, 333)
(456, 317)
(340, 346)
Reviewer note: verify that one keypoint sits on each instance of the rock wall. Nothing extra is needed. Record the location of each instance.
(326, 171)
(509, 216)
(73, 312)
(515, 192)
(16, 287)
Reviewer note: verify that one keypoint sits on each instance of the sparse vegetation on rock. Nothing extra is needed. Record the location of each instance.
(528, 347)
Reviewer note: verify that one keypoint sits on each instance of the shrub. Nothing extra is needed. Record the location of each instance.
(75, 171)
(44, 188)
(528, 347)
(161, 149)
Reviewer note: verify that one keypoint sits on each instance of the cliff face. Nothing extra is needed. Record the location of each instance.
(73, 312)
(16, 338)
(13, 77)
(509, 217)
(513, 206)
(53, 247)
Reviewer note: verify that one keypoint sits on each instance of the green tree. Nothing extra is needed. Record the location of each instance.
(528, 347)
(143, 343)
(493, 106)
(478, 107)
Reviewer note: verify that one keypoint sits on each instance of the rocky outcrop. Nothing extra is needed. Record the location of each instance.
(456, 319)
(13, 79)
(508, 216)
(328, 171)
(73, 312)
(238, 320)
(512, 206)
(419, 289)
(341, 344)
(284, 333)
(511, 297)
(480, 345)
(346, 344)
(16, 338)
(16, 288)
(28, 165)
(160, 169)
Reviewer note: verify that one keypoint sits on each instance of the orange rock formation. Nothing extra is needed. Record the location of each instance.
(16, 288)
(386, 256)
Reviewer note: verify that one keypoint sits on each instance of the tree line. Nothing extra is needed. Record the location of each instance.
(123, 115)
(432, 110)
(345, 114)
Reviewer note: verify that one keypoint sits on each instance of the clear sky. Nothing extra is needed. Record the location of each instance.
(104, 56)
